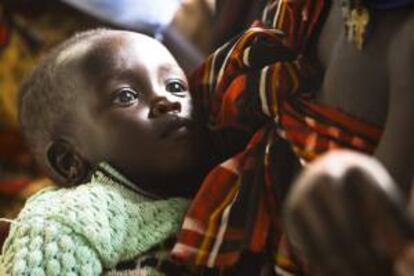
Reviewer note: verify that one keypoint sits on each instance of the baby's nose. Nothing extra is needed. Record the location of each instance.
(161, 106)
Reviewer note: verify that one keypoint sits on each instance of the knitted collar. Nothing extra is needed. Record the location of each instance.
(104, 172)
(388, 4)
(155, 221)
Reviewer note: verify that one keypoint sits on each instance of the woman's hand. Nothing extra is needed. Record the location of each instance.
(347, 217)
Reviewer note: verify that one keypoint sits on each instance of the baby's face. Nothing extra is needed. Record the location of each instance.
(134, 109)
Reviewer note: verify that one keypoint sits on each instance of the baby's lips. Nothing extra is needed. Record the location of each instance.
(176, 123)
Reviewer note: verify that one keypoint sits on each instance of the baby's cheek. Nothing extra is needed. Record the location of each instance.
(186, 107)
(143, 114)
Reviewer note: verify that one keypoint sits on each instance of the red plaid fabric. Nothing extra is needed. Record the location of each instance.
(264, 73)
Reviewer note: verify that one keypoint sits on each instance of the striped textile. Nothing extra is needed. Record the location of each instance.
(263, 73)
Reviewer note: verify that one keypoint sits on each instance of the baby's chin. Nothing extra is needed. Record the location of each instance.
(186, 164)
(181, 159)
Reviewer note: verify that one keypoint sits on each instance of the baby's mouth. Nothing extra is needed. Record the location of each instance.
(177, 126)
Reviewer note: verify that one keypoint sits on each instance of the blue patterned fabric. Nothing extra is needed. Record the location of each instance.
(389, 4)
(147, 14)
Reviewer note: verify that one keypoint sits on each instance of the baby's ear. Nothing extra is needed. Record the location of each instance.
(64, 161)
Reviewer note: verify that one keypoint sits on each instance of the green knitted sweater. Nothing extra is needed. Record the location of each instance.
(88, 228)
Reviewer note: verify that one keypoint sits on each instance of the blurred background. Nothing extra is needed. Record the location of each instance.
(28, 28)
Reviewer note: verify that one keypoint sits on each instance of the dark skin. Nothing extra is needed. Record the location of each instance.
(133, 110)
(346, 215)
(345, 222)
(375, 84)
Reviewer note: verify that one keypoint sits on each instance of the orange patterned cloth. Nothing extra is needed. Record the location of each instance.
(237, 211)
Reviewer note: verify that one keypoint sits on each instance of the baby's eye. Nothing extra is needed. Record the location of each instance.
(125, 97)
(176, 87)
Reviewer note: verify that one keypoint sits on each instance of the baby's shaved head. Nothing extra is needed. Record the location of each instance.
(47, 95)
(117, 97)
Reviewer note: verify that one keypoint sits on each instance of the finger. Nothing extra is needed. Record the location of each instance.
(361, 226)
(326, 236)
(366, 199)
(315, 235)
(351, 253)
(302, 235)
(389, 222)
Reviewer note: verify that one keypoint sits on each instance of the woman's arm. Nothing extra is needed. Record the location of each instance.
(396, 148)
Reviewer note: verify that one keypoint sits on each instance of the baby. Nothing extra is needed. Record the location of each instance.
(110, 110)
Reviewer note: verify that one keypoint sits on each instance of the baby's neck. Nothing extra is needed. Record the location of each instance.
(172, 185)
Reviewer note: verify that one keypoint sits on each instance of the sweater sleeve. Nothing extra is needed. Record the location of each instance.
(86, 229)
(45, 247)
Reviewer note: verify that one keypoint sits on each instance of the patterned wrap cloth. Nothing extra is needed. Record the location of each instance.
(237, 211)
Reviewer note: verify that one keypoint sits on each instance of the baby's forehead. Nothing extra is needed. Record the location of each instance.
(115, 49)
(90, 47)
(75, 52)
(116, 56)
